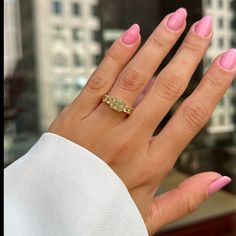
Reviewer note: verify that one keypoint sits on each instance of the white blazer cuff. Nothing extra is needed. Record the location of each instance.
(60, 188)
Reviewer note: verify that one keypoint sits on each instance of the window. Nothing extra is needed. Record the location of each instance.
(208, 2)
(80, 82)
(76, 34)
(233, 98)
(222, 102)
(221, 42)
(60, 107)
(58, 32)
(221, 22)
(233, 40)
(77, 60)
(234, 85)
(95, 10)
(221, 119)
(207, 61)
(220, 3)
(234, 119)
(76, 9)
(97, 35)
(56, 7)
(97, 59)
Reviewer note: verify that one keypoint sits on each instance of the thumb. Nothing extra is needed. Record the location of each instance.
(184, 199)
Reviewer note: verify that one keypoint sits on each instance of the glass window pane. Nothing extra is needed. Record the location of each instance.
(95, 10)
(221, 22)
(58, 32)
(77, 59)
(76, 9)
(221, 42)
(97, 59)
(56, 7)
(77, 34)
(220, 3)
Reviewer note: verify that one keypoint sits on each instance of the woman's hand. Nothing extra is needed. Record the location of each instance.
(124, 142)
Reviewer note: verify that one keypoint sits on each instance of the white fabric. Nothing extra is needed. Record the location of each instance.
(60, 188)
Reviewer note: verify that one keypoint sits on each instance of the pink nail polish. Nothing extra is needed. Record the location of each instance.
(228, 59)
(177, 19)
(204, 26)
(131, 35)
(219, 184)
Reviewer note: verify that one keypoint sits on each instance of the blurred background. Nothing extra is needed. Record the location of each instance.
(52, 46)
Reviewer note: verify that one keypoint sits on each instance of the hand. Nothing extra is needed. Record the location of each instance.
(124, 142)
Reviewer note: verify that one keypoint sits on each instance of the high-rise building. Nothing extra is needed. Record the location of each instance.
(60, 50)
(223, 119)
(12, 39)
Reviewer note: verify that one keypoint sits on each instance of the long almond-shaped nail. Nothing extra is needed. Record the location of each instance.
(219, 184)
(131, 35)
(177, 19)
(228, 59)
(204, 26)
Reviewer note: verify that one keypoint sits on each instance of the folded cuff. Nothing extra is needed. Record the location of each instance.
(61, 188)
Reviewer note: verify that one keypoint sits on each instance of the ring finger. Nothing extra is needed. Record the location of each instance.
(174, 78)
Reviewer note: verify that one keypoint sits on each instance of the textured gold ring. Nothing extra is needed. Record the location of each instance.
(117, 104)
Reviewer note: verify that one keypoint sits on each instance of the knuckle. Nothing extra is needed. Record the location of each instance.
(159, 42)
(195, 115)
(215, 81)
(170, 86)
(114, 54)
(192, 46)
(191, 202)
(97, 81)
(131, 80)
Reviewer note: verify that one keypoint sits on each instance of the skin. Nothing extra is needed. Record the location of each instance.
(126, 143)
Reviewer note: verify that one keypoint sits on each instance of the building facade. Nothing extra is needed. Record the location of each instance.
(12, 37)
(223, 119)
(60, 52)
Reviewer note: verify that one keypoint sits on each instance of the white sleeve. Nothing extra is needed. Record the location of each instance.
(60, 188)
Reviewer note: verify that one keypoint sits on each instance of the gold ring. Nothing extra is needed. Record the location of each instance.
(117, 104)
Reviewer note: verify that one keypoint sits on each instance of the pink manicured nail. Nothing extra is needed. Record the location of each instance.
(219, 184)
(204, 26)
(228, 59)
(177, 19)
(131, 35)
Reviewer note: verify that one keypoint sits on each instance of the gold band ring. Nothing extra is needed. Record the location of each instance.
(117, 104)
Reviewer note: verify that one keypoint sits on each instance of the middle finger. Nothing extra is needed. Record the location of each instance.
(140, 69)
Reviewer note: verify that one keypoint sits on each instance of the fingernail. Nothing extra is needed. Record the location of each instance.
(228, 59)
(218, 184)
(177, 19)
(131, 35)
(204, 26)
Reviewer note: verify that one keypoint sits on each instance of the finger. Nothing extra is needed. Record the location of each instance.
(106, 73)
(174, 78)
(195, 111)
(184, 199)
(140, 69)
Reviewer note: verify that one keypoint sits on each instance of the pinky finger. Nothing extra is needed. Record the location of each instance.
(184, 199)
(196, 110)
